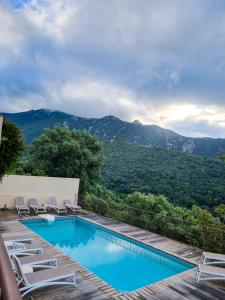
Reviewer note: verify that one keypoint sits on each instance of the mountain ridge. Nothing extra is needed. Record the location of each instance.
(109, 128)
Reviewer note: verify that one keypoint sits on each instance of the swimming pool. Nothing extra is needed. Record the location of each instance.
(121, 262)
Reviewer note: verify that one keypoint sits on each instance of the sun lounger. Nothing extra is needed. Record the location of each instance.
(26, 239)
(210, 258)
(71, 206)
(39, 261)
(36, 207)
(52, 203)
(36, 262)
(30, 281)
(206, 272)
(21, 206)
(22, 249)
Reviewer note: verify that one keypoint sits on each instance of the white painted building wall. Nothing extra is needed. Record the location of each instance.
(37, 187)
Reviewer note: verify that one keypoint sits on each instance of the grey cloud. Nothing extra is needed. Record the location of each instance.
(155, 53)
(201, 128)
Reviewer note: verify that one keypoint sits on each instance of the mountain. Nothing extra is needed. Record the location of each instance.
(110, 128)
(185, 179)
(145, 158)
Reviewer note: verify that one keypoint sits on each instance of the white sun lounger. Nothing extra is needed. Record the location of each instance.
(210, 258)
(21, 206)
(35, 205)
(39, 261)
(22, 249)
(30, 281)
(26, 239)
(52, 203)
(36, 262)
(206, 272)
(70, 206)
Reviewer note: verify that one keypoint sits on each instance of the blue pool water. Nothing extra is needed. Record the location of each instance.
(121, 262)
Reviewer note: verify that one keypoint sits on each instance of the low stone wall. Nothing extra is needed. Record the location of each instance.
(37, 187)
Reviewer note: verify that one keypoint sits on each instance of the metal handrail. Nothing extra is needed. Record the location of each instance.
(167, 217)
(209, 237)
(8, 286)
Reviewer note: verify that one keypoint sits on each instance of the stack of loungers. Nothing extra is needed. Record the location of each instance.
(33, 268)
(36, 207)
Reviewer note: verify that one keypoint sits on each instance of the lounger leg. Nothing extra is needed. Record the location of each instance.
(198, 275)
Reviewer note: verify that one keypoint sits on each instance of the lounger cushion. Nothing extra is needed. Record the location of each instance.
(212, 255)
(212, 270)
(35, 258)
(72, 206)
(48, 275)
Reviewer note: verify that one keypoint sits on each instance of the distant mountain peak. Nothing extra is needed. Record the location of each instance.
(137, 122)
(48, 110)
(110, 117)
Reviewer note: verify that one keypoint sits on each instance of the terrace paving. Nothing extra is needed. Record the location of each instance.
(181, 286)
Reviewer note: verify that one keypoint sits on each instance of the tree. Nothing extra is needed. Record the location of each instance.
(27, 167)
(61, 152)
(11, 147)
(220, 211)
(222, 158)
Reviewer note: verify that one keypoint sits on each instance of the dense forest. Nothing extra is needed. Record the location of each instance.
(184, 179)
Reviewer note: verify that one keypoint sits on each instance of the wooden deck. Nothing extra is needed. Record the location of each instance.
(181, 286)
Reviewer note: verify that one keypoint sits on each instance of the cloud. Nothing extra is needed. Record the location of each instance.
(161, 62)
(198, 128)
(194, 120)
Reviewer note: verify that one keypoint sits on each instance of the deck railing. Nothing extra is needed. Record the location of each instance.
(206, 237)
(8, 285)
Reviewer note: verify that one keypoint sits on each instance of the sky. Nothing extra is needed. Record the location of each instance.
(161, 62)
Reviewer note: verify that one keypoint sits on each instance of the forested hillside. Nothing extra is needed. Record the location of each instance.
(128, 167)
(110, 128)
(184, 179)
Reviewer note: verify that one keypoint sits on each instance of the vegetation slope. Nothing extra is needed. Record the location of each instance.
(184, 179)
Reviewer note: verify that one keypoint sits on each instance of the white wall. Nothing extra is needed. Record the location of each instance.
(37, 187)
